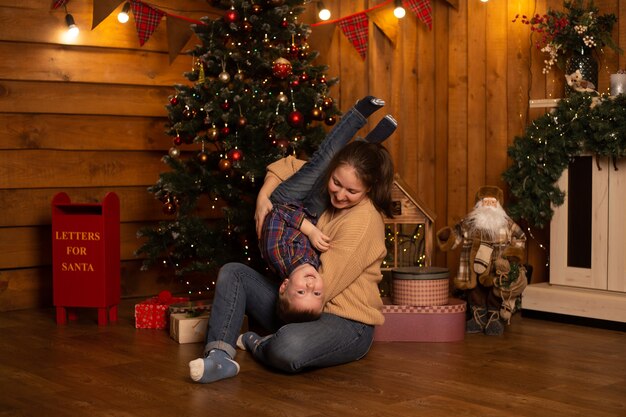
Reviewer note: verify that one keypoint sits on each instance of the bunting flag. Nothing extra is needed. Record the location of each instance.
(387, 23)
(422, 9)
(356, 29)
(58, 3)
(178, 33)
(102, 9)
(355, 26)
(147, 19)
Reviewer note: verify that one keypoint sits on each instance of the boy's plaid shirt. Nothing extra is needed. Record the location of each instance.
(283, 246)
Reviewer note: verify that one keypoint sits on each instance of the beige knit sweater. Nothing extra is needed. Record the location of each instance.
(351, 267)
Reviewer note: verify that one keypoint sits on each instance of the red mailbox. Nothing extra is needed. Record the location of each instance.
(86, 256)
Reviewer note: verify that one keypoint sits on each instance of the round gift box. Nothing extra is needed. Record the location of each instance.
(420, 286)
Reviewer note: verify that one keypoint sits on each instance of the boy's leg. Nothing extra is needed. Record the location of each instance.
(330, 340)
(238, 288)
(300, 185)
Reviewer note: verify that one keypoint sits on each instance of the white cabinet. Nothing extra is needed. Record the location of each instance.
(587, 244)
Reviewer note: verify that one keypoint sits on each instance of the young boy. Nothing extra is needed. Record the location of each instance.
(288, 238)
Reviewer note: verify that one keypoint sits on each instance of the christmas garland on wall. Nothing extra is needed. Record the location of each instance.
(581, 123)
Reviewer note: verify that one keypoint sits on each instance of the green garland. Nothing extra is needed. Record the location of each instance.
(581, 123)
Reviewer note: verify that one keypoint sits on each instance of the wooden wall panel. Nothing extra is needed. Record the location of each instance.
(88, 118)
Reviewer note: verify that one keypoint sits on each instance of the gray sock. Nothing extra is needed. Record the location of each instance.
(383, 130)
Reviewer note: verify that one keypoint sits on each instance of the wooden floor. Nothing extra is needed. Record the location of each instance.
(538, 368)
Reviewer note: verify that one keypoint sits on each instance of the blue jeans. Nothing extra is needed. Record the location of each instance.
(307, 186)
(331, 340)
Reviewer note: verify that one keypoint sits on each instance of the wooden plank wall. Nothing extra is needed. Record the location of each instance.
(88, 118)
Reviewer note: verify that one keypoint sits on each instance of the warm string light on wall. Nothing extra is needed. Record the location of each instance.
(72, 29)
(324, 13)
(398, 9)
(123, 16)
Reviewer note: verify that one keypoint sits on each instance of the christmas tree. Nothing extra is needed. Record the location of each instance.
(253, 97)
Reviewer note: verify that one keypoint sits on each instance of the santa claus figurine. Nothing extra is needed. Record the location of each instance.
(491, 271)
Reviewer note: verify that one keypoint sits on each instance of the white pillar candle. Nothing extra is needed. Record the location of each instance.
(618, 84)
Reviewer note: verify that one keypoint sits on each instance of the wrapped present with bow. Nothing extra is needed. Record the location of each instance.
(153, 313)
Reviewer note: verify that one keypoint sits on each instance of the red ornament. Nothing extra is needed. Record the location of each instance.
(242, 121)
(284, 24)
(330, 120)
(174, 101)
(294, 83)
(235, 154)
(231, 16)
(281, 68)
(169, 208)
(178, 140)
(304, 77)
(225, 131)
(327, 103)
(295, 118)
(292, 51)
(225, 105)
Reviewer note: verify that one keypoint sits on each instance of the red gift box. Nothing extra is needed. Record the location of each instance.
(153, 313)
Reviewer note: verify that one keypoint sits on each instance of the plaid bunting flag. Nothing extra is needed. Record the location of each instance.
(59, 3)
(422, 9)
(147, 19)
(356, 30)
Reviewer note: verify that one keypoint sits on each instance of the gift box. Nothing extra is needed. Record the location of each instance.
(153, 313)
(195, 307)
(444, 323)
(425, 286)
(190, 328)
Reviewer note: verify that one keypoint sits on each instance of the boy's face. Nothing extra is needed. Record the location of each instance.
(304, 289)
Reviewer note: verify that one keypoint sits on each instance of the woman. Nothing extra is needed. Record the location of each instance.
(359, 184)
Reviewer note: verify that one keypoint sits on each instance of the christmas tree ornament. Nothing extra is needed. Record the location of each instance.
(285, 23)
(178, 140)
(330, 120)
(295, 82)
(282, 98)
(327, 103)
(295, 118)
(281, 68)
(224, 77)
(304, 77)
(303, 51)
(235, 154)
(322, 79)
(271, 137)
(212, 133)
(225, 130)
(317, 113)
(203, 157)
(239, 75)
(231, 16)
(169, 208)
(224, 165)
(174, 100)
(246, 25)
(242, 121)
(174, 152)
(256, 8)
(225, 105)
(282, 144)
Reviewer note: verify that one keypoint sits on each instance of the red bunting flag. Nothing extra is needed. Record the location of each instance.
(147, 18)
(422, 9)
(356, 29)
(59, 3)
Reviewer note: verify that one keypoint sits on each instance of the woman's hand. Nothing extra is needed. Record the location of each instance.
(263, 208)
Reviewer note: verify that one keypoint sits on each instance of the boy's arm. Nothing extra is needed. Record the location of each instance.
(319, 240)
